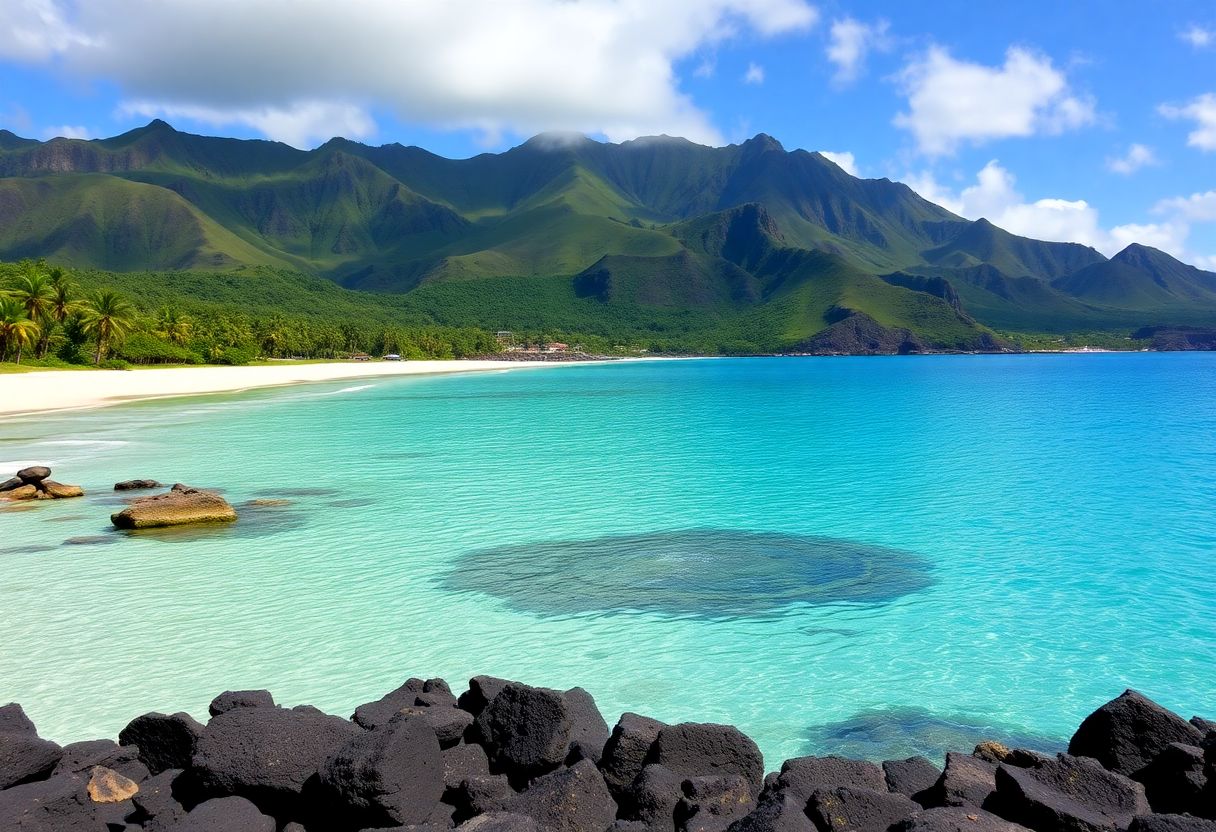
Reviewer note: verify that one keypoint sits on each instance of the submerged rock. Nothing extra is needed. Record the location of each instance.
(183, 505)
(136, 485)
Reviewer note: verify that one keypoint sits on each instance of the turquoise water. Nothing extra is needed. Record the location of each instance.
(862, 554)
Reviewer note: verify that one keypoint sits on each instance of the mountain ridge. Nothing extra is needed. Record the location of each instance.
(656, 223)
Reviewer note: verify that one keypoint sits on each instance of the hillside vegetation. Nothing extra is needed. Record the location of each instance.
(654, 243)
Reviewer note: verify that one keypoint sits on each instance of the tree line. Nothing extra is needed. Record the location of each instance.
(47, 316)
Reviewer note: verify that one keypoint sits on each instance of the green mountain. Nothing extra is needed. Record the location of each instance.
(749, 243)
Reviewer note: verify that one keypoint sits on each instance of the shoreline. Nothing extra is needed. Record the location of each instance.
(55, 391)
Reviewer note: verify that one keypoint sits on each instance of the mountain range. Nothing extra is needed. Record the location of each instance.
(564, 231)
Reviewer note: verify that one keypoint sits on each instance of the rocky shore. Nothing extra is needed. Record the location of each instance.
(507, 757)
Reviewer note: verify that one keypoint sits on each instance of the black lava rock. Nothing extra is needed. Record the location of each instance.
(775, 812)
(230, 699)
(1171, 823)
(858, 810)
(1068, 793)
(164, 742)
(691, 749)
(966, 781)
(712, 803)
(1176, 782)
(463, 761)
(393, 775)
(528, 731)
(60, 804)
(914, 777)
(226, 814)
(372, 715)
(156, 809)
(803, 775)
(1126, 733)
(267, 754)
(957, 819)
(574, 799)
(481, 690)
(652, 798)
(626, 750)
(24, 756)
(80, 757)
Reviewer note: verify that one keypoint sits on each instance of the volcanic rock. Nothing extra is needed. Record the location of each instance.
(1126, 733)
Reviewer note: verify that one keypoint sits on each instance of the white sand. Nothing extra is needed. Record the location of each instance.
(39, 392)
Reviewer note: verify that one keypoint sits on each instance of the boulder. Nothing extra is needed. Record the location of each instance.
(156, 809)
(626, 750)
(1171, 823)
(230, 699)
(526, 730)
(1068, 793)
(81, 757)
(266, 754)
(14, 721)
(966, 781)
(858, 810)
(588, 731)
(164, 742)
(449, 724)
(372, 715)
(1175, 781)
(914, 777)
(182, 506)
(390, 776)
(653, 797)
(1126, 733)
(710, 804)
(481, 690)
(775, 812)
(24, 756)
(60, 804)
(803, 775)
(25, 491)
(480, 794)
(957, 819)
(691, 749)
(34, 474)
(500, 822)
(463, 761)
(10, 484)
(108, 786)
(226, 814)
(60, 491)
(574, 799)
(1205, 726)
(136, 485)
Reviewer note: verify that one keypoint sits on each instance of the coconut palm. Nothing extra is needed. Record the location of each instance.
(16, 327)
(174, 326)
(107, 317)
(34, 292)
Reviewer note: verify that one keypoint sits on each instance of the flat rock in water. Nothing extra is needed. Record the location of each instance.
(60, 491)
(182, 506)
(136, 485)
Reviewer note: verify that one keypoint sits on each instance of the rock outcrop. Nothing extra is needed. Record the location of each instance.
(35, 483)
(531, 759)
(182, 505)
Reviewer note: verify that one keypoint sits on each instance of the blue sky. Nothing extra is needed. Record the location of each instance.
(1086, 121)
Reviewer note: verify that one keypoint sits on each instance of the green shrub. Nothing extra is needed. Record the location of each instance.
(144, 348)
(114, 364)
(236, 356)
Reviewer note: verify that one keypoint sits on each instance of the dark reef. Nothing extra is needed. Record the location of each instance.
(507, 757)
(708, 573)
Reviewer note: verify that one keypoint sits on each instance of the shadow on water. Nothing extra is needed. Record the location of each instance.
(706, 573)
(896, 733)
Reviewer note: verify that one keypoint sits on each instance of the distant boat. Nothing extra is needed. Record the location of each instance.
(392, 356)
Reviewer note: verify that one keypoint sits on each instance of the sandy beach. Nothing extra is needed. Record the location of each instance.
(41, 392)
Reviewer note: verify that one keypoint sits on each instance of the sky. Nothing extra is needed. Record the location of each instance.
(1080, 120)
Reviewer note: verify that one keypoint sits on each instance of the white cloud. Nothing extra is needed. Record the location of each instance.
(754, 74)
(850, 41)
(1137, 156)
(67, 131)
(1197, 36)
(705, 69)
(1202, 110)
(995, 197)
(951, 102)
(845, 160)
(1196, 207)
(301, 124)
(522, 66)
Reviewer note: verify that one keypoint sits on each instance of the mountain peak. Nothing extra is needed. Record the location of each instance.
(763, 141)
(557, 140)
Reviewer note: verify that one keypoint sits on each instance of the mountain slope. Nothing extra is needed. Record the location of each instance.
(1141, 277)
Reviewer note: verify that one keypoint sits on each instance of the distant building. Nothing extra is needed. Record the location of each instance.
(360, 356)
(556, 347)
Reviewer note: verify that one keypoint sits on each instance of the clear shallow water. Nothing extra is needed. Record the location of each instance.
(961, 546)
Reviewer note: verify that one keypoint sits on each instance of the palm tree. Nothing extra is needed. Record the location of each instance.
(16, 327)
(34, 292)
(107, 317)
(174, 326)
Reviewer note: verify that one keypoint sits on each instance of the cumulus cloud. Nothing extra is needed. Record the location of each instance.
(600, 66)
(1198, 36)
(1198, 207)
(843, 159)
(1201, 110)
(1137, 156)
(301, 124)
(850, 42)
(951, 102)
(995, 197)
(67, 131)
(754, 74)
